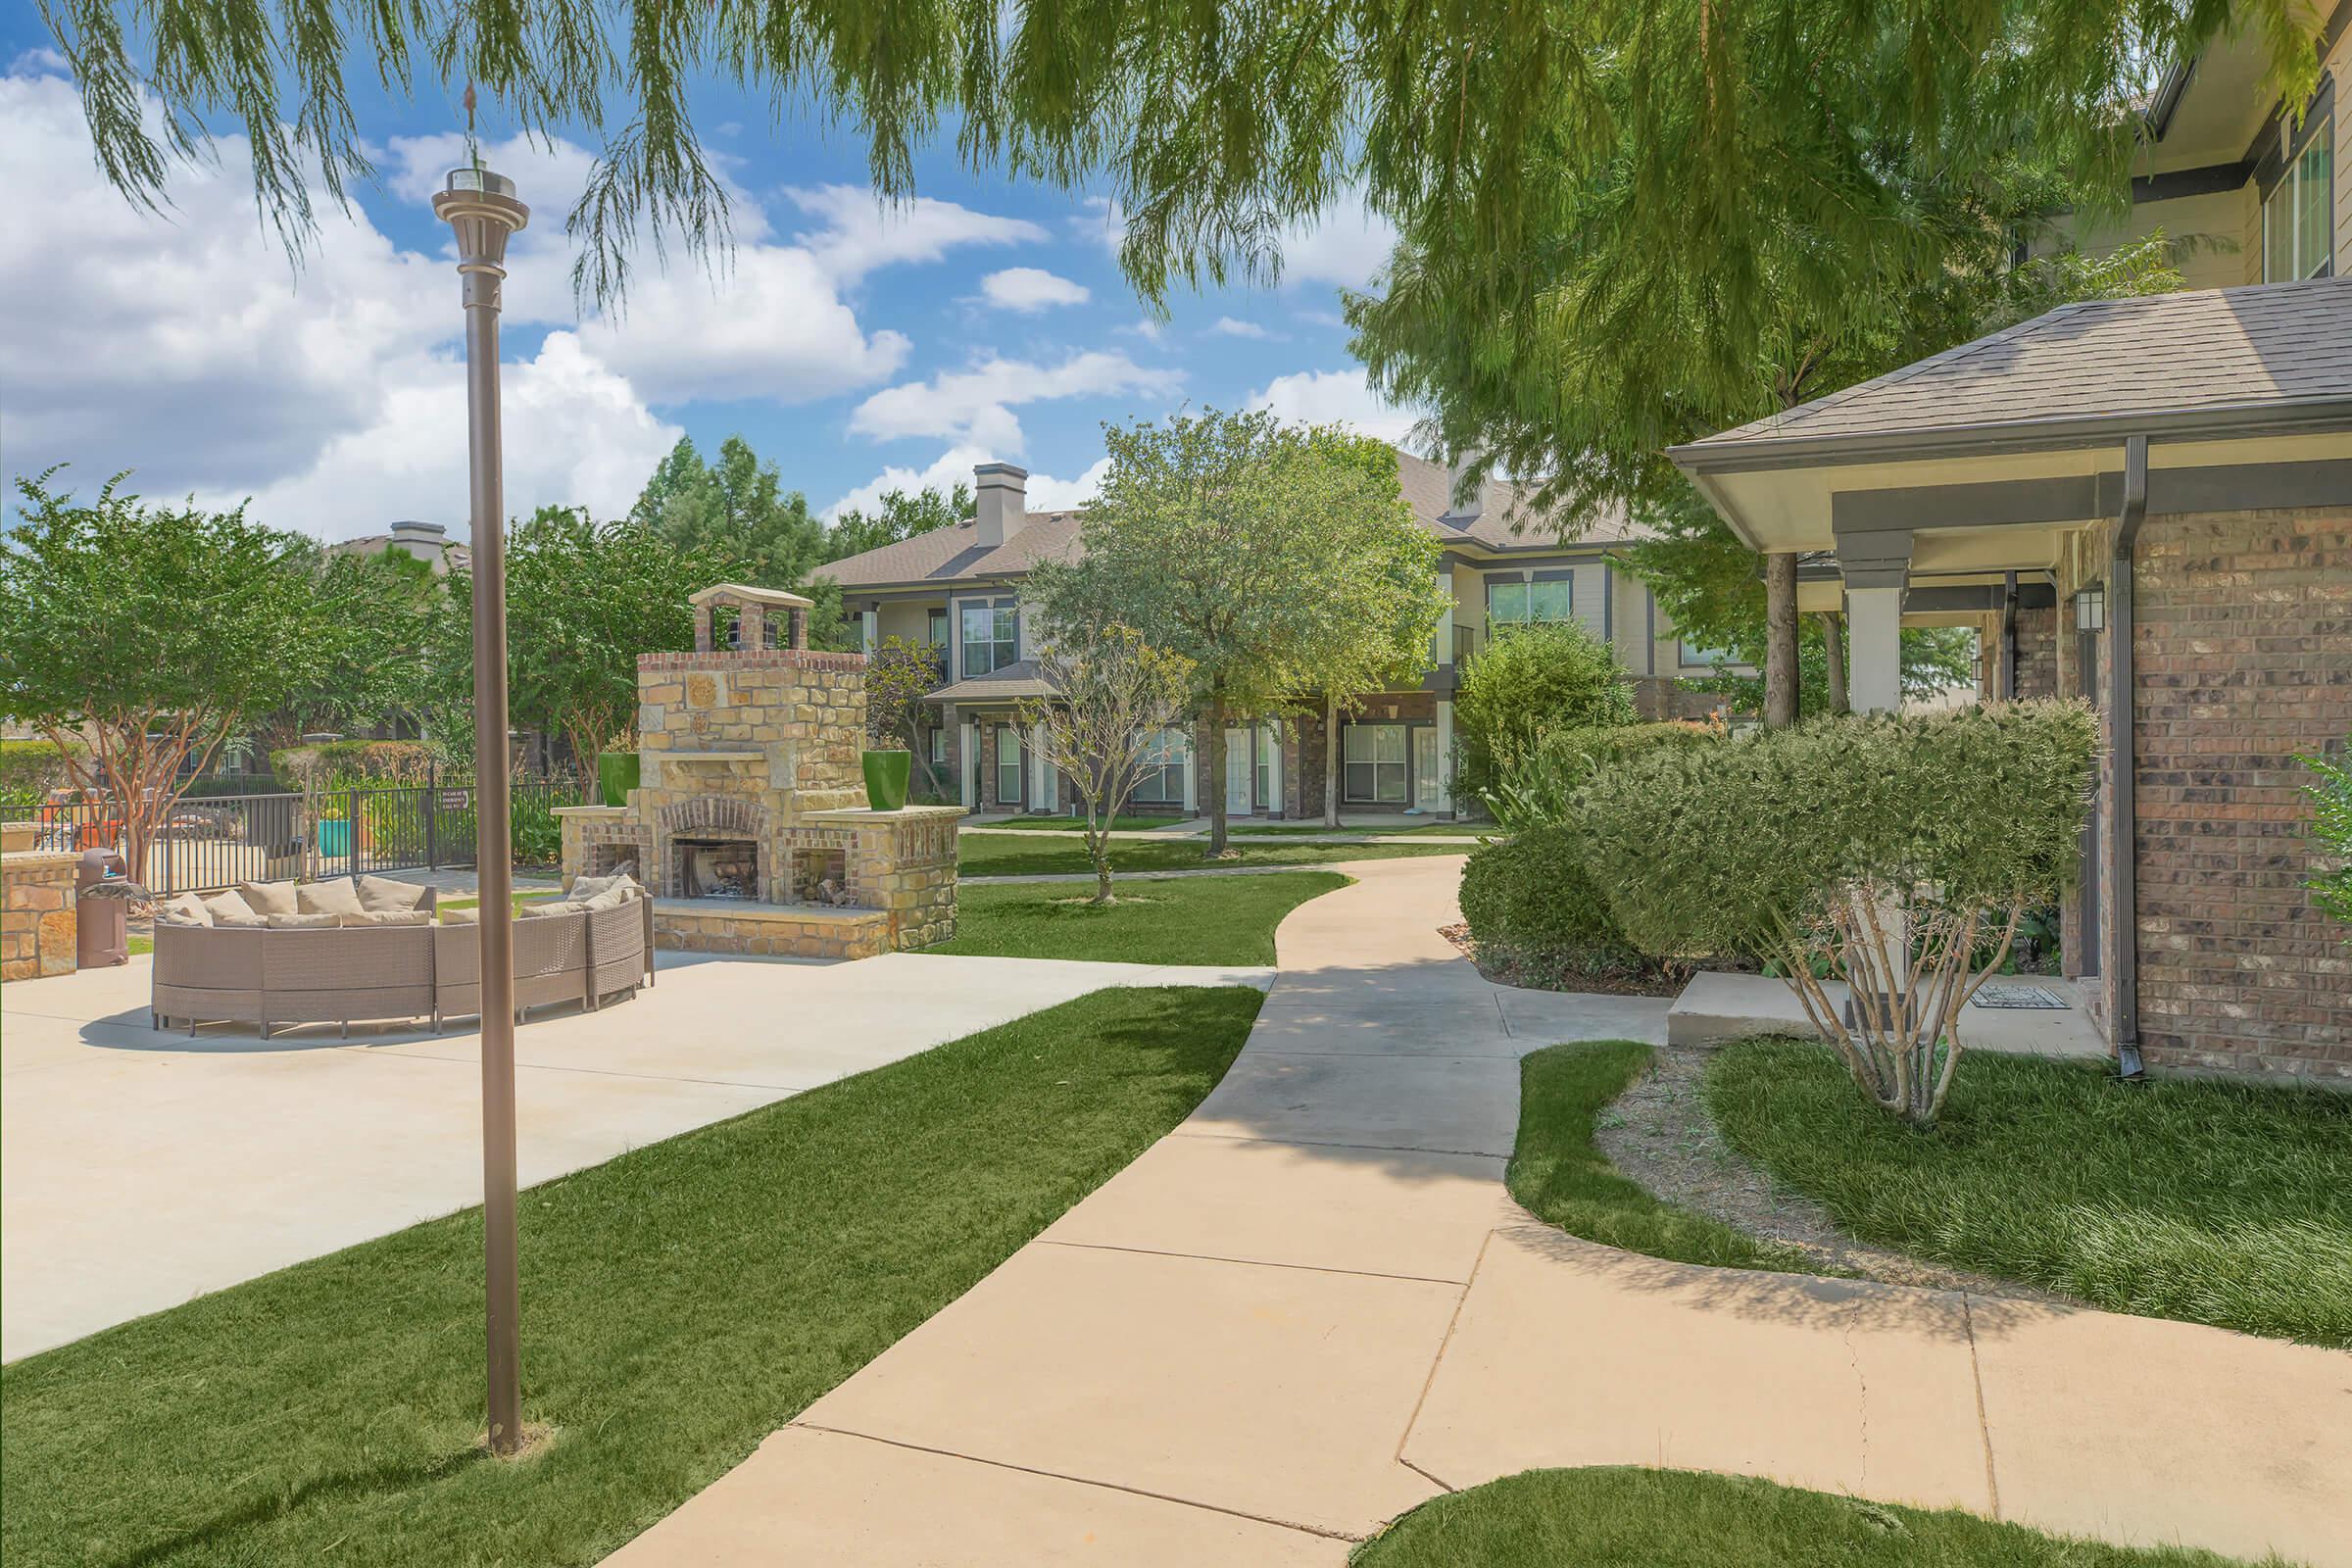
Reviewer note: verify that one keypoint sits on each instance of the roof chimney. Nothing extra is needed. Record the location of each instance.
(1003, 501)
(1462, 513)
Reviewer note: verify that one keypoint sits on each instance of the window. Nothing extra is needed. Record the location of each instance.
(1691, 653)
(1160, 779)
(935, 628)
(1265, 739)
(1517, 600)
(939, 746)
(991, 636)
(1009, 764)
(2296, 214)
(1372, 766)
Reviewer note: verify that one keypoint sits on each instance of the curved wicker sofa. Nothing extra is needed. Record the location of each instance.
(224, 974)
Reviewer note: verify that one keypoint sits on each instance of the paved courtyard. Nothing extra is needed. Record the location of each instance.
(139, 1168)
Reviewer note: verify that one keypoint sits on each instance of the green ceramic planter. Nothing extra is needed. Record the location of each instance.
(886, 775)
(617, 773)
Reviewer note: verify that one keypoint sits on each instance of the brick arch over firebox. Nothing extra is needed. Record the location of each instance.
(720, 814)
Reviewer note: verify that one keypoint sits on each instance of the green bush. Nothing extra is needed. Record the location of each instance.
(2331, 824)
(29, 770)
(1881, 850)
(1528, 680)
(1530, 895)
(1539, 786)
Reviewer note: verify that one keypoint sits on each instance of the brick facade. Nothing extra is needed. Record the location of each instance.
(38, 926)
(2037, 653)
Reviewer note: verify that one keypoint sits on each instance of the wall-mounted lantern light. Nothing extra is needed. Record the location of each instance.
(2091, 610)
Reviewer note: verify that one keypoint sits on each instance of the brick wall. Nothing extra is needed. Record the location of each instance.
(37, 924)
(1661, 697)
(2037, 653)
(2243, 657)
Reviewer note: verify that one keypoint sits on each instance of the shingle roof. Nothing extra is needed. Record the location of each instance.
(1021, 678)
(2273, 346)
(956, 555)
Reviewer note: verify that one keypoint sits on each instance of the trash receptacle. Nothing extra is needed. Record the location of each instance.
(101, 923)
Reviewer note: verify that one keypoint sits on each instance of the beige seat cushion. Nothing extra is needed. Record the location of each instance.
(318, 921)
(269, 898)
(226, 906)
(552, 907)
(389, 917)
(382, 893)
(250, 922)
(339, 897)
(185, 909)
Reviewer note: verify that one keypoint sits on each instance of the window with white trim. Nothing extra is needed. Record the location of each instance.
(1008, 766)
(2298, 218)
(1373, 769)
(1160, 780)
(1524, 598)
(1692, 654)
(992, 636)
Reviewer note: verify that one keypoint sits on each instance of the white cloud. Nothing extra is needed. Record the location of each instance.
(1029, 289)
(1232, 326)
(954, 465)
(1347, 245)
(1334, 397)
(975, 407)
(1149, 330)
(860, 234)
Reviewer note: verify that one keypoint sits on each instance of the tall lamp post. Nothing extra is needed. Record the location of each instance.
(480, 207)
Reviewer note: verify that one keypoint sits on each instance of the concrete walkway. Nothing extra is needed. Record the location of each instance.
(140, 1168)
(1313, 1306)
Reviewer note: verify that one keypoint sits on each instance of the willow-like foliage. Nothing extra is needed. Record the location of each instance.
(1214, 123)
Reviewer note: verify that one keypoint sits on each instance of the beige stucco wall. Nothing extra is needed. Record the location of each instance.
(908, 619)
(2217, 238)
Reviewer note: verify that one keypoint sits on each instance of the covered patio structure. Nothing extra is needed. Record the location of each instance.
(2147, 504)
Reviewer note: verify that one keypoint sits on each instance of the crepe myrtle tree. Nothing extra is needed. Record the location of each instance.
(899, 675)
(1279, 561)
(1114, 693)
(137, 638)
(1898, 853)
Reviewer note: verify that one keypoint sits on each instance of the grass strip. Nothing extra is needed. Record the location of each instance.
(2211, 1201)
(1004, 855)
(1206, 919)
(679, 1303)
(1559, 1174)
(1072, 824)
(1609, 1517)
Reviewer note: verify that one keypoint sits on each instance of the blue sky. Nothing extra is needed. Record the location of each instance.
(856, 347)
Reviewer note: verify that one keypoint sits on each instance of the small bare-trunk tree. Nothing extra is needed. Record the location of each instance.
(1117, 692)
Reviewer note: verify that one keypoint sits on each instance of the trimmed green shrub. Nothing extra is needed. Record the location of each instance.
(1879, 849)
(1530, 895)
(30, 769)
(1528, 680)
(1539, 787)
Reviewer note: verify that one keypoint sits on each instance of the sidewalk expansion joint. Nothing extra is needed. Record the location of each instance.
(1976, 1373)
(1445, 1340)
(1324, 1531)
(1251, 1263)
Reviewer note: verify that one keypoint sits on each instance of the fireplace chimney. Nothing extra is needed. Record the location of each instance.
(1463, 513)
(1003, 492)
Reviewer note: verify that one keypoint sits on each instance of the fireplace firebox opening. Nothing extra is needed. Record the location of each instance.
(717, 868)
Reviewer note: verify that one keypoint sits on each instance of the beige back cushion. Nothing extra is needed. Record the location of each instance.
(460, 916)
(319, 921)
(225, 906)
(389, 917)
(268, 898)
(612, 898)
(584, 888)
(379, 893)
(338, 897)
(185, 909)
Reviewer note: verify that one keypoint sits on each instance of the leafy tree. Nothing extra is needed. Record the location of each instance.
(897, 675)
(735, 510)
(898, 517)
(1278, 562)
(583, 600)
(1212, 125)
(1115, 694)
(372, 666)
(135, 638)
(1525, 682)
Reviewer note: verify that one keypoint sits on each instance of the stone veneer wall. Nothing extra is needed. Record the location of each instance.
(38, 928)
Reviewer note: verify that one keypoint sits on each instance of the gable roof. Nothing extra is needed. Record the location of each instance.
(954, 554)
(2211, 360)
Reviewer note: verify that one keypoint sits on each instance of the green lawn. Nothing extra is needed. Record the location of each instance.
(1004, 855)
(1625, 1518)
(1559, 1176)
(1073, 824)
(1207, 920)
(2216, 1202)
(679, 1303)
(529, 895)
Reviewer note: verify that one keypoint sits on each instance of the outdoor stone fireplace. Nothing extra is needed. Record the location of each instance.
(750, 823)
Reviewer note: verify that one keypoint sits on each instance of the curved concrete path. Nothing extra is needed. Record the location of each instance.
(1313, 1306)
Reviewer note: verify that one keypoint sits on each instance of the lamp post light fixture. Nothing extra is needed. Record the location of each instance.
(480, 207)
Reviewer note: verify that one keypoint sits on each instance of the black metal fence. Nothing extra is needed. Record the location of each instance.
(216, 841)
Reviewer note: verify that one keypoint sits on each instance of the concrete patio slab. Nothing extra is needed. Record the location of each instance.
(810, 1497)
(1367, 1211)
(1443, 1105)
(141, 1167)
(1717, 1007)
(1570, 1354)
(1539, 1018)
(1280, 1393)
(2076, 1403)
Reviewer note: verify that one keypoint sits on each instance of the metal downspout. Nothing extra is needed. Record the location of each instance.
(2123, 916)
(2008, 678)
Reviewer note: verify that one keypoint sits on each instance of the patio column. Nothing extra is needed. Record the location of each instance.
(967, 763)
(870, 631)
(1446, 756)
(1874, 624)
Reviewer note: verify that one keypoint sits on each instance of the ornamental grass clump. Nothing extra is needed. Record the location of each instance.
(1882, 850)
